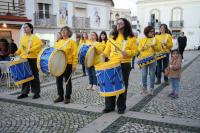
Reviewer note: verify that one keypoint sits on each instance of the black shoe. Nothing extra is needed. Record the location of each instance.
(36, 96)
(107, 110)
(121, 111)
(166, 83)
(66, 101)
(158, 82)
(22, 96)
(59, 99)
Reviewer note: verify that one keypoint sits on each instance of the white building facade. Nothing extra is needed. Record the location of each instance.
(179, 15)
(117, 13)
(48, 16)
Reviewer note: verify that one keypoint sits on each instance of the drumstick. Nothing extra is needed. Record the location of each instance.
(115, 46)
(68, 79)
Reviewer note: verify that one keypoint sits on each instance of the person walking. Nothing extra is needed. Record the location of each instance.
(182, 43)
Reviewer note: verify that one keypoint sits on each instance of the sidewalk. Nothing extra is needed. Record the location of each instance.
(161, 114)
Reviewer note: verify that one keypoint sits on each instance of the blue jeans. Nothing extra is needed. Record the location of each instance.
(175, 83)
(92, 75)
(161, 66)
(151, 69)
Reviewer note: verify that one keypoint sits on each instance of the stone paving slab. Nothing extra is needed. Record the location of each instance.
(135, 125)
(187, 105)
(32, 118)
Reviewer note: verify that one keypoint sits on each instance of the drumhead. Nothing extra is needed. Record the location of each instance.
(57, 63)
(89, 60)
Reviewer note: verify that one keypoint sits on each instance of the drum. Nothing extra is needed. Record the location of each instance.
(160, 56)
(146, 61)
(52, 61)
(110, 80)
(20, 71)
(86, 55)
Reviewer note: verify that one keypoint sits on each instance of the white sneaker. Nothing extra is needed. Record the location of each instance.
(150, 92)
(89, 87)
(94, 88)
(144, 91)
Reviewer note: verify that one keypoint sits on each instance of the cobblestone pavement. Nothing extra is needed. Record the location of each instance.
(17, 118)
(187, 105)
(132, 125)
(42, 115)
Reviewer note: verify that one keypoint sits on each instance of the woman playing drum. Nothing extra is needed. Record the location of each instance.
(146, 60)
(30, 46)
(70, 48)
(120, 47)
(165, 40)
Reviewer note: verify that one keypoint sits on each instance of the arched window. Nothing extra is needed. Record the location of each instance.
(156, 14)
(177, 14)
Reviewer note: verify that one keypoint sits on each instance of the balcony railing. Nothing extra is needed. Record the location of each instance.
(81, 22)
(45, 20)
(176, 24)
(12, 9)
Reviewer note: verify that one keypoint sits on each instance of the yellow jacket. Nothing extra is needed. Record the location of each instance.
(99, 48)
(165, 41)
(145, 49)
(30, 46)
(114, 49)
(70, 48)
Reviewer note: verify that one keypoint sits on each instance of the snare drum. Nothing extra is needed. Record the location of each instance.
(52, 61)
(86, 55)
(160, 56)
(146, 61)
(21, 71)
(110, 80)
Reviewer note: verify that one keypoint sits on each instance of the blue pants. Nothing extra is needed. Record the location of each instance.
(92, 75)
(175, 83)
(151, 69)
(161, 66)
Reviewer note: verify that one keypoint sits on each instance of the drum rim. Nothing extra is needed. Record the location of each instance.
(11, 63)
(101, 66)
(38, 58)
(51, 62)
(87, 57)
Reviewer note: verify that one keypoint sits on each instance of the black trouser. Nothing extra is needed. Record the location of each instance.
(181, 50)
(35, 83)
(121, 101)
(83, 68)
(162, 64)
(59, 82)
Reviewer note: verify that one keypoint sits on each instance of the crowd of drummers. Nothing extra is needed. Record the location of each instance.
(98, 52)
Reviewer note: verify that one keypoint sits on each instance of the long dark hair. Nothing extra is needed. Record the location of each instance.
(127, 30)
(84, 32)
(30, 26)
(106, 38)
(166, 29)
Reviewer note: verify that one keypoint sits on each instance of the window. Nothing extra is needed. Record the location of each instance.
(176, 14)
(155, 13)
(43, 10)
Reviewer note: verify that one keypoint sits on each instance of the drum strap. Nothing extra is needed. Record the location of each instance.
(166, 37)
(65, 44)
(124, 45)
(29, 45)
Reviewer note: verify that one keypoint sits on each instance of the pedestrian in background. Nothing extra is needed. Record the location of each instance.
(182, 43)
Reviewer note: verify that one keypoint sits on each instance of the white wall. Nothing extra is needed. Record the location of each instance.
(190, 17)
